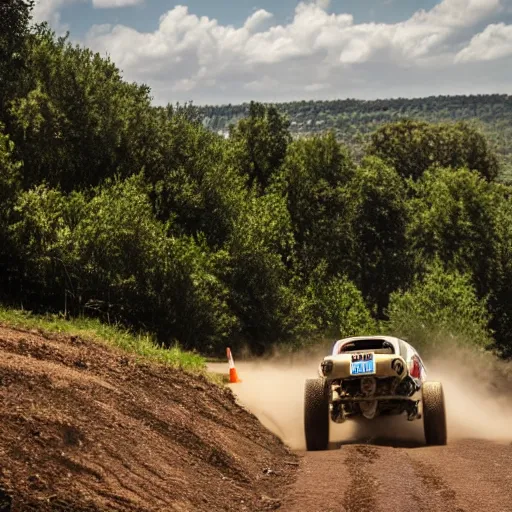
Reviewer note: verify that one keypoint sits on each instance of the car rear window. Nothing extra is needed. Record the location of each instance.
(382, 346)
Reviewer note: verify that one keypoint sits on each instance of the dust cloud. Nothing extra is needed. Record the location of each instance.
(274, 392)
(478, 393)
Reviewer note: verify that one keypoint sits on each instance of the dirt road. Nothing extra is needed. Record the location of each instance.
(465, 476)
(385, 466)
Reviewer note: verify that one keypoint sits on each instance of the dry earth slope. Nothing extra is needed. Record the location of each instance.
(87, 428)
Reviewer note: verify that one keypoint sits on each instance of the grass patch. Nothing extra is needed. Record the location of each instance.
(143, 345)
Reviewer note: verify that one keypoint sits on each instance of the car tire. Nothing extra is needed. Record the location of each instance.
(434, 414)
(316, 414)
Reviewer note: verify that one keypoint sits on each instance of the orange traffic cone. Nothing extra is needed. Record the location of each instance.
(233, 376)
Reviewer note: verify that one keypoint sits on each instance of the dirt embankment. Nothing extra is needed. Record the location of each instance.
(86, 428)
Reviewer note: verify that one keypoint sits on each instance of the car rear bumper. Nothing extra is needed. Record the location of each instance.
(386, 365)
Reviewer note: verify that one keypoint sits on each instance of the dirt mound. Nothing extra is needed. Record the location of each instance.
(87, 428)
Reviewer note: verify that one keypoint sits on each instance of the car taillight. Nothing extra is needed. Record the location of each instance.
(415, 369)
(327, 367)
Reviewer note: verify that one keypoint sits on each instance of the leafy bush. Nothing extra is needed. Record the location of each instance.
(440, 308)
(337, 306)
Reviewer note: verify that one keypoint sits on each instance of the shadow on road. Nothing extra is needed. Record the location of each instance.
(380, 441)
(392, 432)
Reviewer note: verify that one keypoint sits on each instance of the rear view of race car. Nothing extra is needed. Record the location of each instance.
(368, 377)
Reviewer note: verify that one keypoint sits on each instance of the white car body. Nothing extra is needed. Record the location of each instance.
(372, 376)
(392, 386)
(406, 350)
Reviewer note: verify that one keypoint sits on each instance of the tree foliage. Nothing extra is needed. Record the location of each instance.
(316, 175)
(74, 120)
(499, 284)
(380, 223)
(354, 121)
(440, 307)
(10, 178)
(412, 147)
(113, 208)
(14, 20)
(260, 143)
(337, 305)
(453, 217)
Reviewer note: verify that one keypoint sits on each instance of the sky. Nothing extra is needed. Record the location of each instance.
(220, 51)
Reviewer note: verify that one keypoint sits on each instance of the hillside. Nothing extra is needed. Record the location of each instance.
(353, 120)
(88, 428)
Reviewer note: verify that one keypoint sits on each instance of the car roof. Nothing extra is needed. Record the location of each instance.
(398, 343)
(392, 339)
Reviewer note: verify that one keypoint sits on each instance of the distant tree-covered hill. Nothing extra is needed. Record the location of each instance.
(353, 120)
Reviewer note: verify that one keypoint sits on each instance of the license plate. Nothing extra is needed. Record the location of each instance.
(362, 364)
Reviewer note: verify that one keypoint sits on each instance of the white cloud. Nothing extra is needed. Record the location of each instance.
(457, 13)
(44, 10)
(323, 4)
(257, 20)
(495, 42)
(317, 52)
(103, 4)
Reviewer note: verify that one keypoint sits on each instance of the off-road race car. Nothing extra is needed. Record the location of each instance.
(372, 376)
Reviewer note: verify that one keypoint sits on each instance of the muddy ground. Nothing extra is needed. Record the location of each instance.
(87, 428)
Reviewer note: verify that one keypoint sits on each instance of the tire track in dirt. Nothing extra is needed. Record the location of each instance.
(411, 484)
(437, 486)
(360, 495)
(465, 476)
(336, 481)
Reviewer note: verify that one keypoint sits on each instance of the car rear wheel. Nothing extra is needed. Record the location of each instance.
(316, 414)
(434, 414)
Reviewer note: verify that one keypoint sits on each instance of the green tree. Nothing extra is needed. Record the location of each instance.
(259, 143)
(257, 274)
(127, 267)
(193, 183)
(9, 175)
(500, 279)
(453, 217)
(14, 28)
(108, 256)
(380, 225)
(9, 188)
(440, 308)
(316, 173)
(412, 147)
(74, 121)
